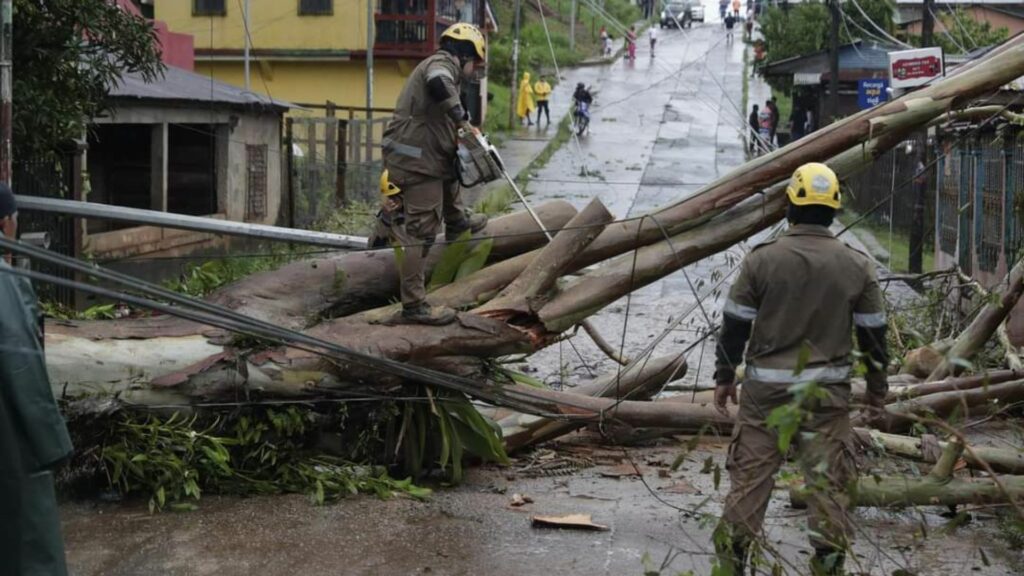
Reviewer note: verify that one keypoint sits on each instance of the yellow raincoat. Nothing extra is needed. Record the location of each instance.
(525, 106)
(542, 89)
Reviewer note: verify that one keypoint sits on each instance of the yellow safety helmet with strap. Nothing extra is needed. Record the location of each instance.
(387, 187)
(468, 33)
(814, 184)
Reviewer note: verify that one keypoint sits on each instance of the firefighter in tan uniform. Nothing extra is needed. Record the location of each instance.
(798, 299)
(420, 145)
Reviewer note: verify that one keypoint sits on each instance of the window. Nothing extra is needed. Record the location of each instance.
(256, 185)
(209, 7)
(316, 7)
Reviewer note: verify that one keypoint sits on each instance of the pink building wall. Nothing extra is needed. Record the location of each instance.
(176, 49)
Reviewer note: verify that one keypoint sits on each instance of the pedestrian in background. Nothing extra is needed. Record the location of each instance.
(748, 25)
(736, 9)
(775, 119)
(723, 6)
(542, 90)
(764, 128)
(752, 122)
(730, 23)
(797, 123)
(652, 35)
(524, 105)
(606, 45)
(631, 42)
(33, 437)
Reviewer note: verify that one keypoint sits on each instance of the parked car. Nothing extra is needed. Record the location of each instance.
(696, 12)
(680, 11)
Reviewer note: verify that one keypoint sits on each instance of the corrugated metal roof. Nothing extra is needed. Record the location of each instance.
(184, 86)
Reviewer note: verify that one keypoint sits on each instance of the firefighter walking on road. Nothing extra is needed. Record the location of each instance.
(798, 299)
(420, 148)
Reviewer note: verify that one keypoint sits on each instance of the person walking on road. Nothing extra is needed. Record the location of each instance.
(798, 300)
(524, 104)
(723, 7)
(748, 25)
(542, 90)
(652, 35)
(764, 129)
(730, 23)
(753, 123)
(631, 43)
(420, 184)
(736, 9)
(33, 437)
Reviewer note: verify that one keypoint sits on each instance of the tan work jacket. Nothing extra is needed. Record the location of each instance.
(421, 137)
(804, 293)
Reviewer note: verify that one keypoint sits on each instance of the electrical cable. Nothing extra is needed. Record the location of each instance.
(877, 27)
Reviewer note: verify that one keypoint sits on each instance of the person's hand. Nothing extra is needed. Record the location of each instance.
(723, 392)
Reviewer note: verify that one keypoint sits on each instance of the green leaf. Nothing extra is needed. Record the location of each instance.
(476, 259)
(803, 356)
(524, 379)
(451, 259)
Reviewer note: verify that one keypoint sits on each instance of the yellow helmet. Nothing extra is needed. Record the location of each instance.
(468, 33)
(387, 187)
(814, 184)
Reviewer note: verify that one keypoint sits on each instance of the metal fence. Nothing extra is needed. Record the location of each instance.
(53, 178)
(973, 191)
(334, 155)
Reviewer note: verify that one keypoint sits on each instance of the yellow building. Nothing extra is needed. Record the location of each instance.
(312, 51)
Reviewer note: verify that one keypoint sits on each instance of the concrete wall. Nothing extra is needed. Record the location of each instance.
(265, 129)
(343, 83)
(980, 14)
(273, 24)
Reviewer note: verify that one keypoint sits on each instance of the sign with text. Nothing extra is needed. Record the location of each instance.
(871, 92)
(912, 68)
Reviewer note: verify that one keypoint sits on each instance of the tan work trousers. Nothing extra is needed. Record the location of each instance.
(823, 449)
(424, 200)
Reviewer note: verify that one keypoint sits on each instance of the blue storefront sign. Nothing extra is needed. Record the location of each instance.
(871, 92)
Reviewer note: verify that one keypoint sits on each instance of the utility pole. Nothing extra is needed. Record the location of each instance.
(833, 62)
(515, 70)
(572, 25)
(245, 31)
(6, 91)
(369, 79)
(915, 259)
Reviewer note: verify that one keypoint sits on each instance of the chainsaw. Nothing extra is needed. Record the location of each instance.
(479, 163)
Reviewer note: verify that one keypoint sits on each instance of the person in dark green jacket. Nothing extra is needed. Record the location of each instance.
(33, 436)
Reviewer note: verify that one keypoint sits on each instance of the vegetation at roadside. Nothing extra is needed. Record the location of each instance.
(897, 245)
(801, 29)
(962, 33)
(534, 52)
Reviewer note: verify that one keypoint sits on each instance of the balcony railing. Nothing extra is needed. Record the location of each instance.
(412, 28)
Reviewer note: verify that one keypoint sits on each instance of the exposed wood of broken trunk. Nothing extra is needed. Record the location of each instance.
(973, 339)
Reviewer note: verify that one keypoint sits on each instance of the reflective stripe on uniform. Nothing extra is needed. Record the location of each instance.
(780, 376)
(403, 149)
(739, 311)
(440, 72)
(869, 320)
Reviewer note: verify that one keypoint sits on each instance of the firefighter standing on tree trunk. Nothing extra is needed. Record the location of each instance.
(420, 181)
(798, 299)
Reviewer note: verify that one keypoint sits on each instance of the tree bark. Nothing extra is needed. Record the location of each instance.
(971, 340)
(924, 449)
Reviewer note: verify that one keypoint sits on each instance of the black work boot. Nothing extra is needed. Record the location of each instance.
(828, 562)
(470, 221)
(424, 313)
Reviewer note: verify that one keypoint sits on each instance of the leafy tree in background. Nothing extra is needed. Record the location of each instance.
(804, 28)
(965, 33)
(67, 55)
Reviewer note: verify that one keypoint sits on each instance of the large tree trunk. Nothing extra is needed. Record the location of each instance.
(929, 449)
(971, 340)
(210, 366)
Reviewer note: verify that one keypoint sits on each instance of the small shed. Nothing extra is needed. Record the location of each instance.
(809, 75)
(185, 144)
